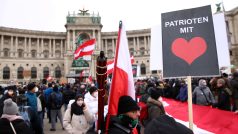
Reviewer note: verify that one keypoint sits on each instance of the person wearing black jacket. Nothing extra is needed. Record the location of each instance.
(127, 117)
(10, 122)
(10, 94)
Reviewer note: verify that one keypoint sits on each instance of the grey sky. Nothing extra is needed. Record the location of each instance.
(50, 15)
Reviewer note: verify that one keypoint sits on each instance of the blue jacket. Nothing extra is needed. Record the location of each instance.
(183, 93)
(32, 100)
(47, 93)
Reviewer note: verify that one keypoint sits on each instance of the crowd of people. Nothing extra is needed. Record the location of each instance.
(75, 106)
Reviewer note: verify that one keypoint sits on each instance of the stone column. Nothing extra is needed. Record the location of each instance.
(148, 50)
(42, 47)
(53, 48)
(106, 47)
(134, 45)
(73, 42)
(38, 48)
(99, 41)
(11, 47)
(16, 47)
(138, 45)
(145, 44)
(113, 46)
(29, 48)
(1, 45)
(25, 48)
(61, 49)
(50, 51)
(68, 41)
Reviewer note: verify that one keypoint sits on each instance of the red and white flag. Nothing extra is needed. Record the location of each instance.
(207, 120)
(85, 49)
(122, 81)
(110, 65)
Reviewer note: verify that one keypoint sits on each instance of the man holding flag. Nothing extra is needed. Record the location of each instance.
(122, 109)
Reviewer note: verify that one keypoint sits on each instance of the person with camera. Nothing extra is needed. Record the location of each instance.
(77, 118)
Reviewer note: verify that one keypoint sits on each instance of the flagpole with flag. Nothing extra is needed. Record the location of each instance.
(122, 81)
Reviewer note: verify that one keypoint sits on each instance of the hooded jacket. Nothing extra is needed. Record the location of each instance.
(78, 124)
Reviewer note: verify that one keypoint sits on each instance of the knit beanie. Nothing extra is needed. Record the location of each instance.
(127, 104)
(10, 107)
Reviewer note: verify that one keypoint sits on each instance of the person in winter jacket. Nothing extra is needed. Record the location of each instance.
(77, 118)
(224, 96)
(10, 94)
(154, 106)
(127, 117)
(202, 95)
(183, 92)
(234, 87)
(10, 122)
(91, 100)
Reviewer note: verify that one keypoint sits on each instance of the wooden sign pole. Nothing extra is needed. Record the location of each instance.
(190, 104)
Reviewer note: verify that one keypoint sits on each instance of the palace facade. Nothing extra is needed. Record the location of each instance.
(30, 55)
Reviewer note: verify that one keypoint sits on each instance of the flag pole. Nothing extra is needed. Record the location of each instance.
(190, 105)
(101, 74)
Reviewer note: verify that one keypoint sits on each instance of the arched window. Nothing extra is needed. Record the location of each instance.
(33, 53)
(142, 69)
(46, 53)
(57, 72)
(57, 54)
(46, 72)
(6, 52)
(6, 72)
(142, 51)
(20, 53)
(20, 73)
(131, 51)
(33, 73)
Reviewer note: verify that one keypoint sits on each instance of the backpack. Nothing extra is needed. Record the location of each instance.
(23, 112)
(56, 100)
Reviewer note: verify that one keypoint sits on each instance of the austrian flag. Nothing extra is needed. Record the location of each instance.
(85, 49)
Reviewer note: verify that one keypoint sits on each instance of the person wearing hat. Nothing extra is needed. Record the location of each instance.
(127, 116)
(10, 122)
(77, 117)
(10, 93)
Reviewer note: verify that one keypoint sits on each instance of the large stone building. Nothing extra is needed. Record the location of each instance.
(29, 55)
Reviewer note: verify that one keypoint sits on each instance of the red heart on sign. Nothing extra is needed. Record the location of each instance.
(189, 51)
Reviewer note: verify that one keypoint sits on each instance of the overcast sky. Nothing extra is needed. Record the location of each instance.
(50, 15)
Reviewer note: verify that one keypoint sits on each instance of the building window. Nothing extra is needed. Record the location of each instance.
(154, 72)
(57, 72)
(20, 73)
(142, 51)
(46, 72)
(46, 53)
(142, 69)
(6, 73)
(230, 53)
(57, 54)
(20, 53)
(33, 53)
(33, 73)
(6, 52)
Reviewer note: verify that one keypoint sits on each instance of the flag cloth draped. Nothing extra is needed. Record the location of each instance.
(207, 120)
(110, 65)
(85, 49)
(122, 81)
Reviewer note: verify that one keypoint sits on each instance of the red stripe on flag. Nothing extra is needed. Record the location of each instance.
(85, 49)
